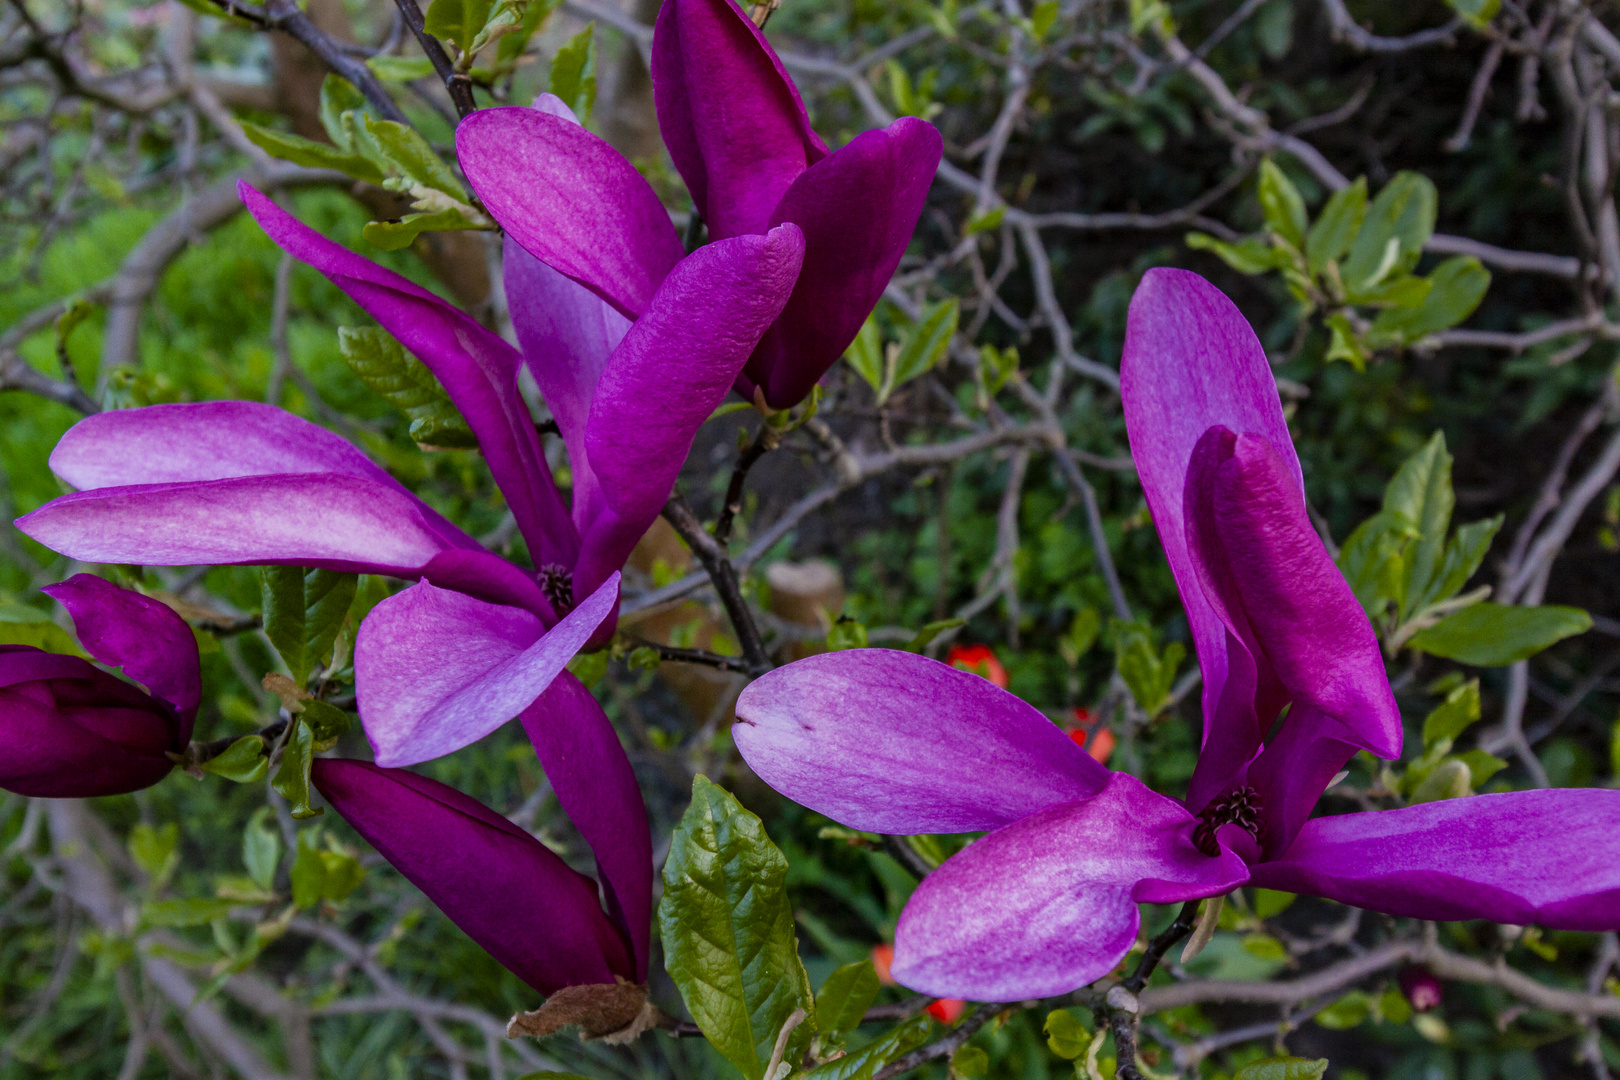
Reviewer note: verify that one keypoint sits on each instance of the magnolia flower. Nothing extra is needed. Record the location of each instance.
(447, 661)
(1047, 902)
(510, 893)
(70, 730)
(737, 131)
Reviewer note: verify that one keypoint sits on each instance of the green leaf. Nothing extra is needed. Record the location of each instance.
(43, 634)
(861, 1064)
(1479, 13)
(156, 851)
(589, 667)
(846, 633)
(1265, 947)
(970, 1062)
(400, 68)
(243, 761)
(261, 848)
(303, 611)
(865, 354)
(1274, 27)
(1614, 749)
(1282, 205)
(1451, 779)
(407, 158)
(340, 96)
(1269, 902)
(1420, 495)
(322, 873)
(727, 929)
(996, 366)
(175, 914)
(930, 631)
(1464, 553)
(1284, 1068)
(573, 73)
(1343, 343)
(316, 155)
(402, 233)
(1494, 635)
(923, 343)
(326, 722)
(1147, 674)
(1456, 288)
(846, 995)
(1251, 255)
(513, 45)
(1067, 1036)
(1336, 227)
(1482, 765)
(1392, 234)
(987, 221)
(1042, 19)
(405, 383)
(1452, 716)
(456, 20)
(292, 775)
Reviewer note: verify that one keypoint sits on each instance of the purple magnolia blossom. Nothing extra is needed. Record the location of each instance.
(510, 893)
(450, 659)
(69, 729)
(896, 743)
(738, 132)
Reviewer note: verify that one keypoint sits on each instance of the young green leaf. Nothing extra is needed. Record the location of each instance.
(846, 633)
(1482, 765)
(316, 155)
(1464, 553)
(1335, 228)
(303, 611)
(405, 383)
(930, 631)
(1042, 19)
(727, 928)
(400, 68)
(339, 96)
(924, 342)
(1250, 255)
(322, 873)
(1456, 288)
(1392, 234)
(865, 354)
(407, 158)
(1147, 674)
(261, 848)
(292, 774)
(1286, 1068)
(177, 914)
(155, 850)
(243, 761)
(1282, 205)
(863, 1063)
(1479, 13)
(1420, 494)
(573, 72)
(1451, 779)
(846, 995)
(1066, 1035)
(1269, 902)
(458, 21)
(1371, 561)
(1495, 635)
(1452, 716)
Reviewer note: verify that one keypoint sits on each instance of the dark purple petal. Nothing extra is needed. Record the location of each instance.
(492, 578)
(1047, 904)
(1297, 765)
(477, 369)
(858, 209)
(152, 644)
(71, 731)
(730, 116)
(678, 362)
(437, 670)
(897, 743)
(596, 787)
(572, 200)
(330, 520)
(1548, 857)
(505, 889)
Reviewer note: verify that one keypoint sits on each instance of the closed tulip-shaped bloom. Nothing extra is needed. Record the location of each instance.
(737, 131)
(1046, 902)
(69, 729)
(478, 638)
(509, 892)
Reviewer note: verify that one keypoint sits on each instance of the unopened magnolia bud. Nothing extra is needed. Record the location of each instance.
(1421, 987)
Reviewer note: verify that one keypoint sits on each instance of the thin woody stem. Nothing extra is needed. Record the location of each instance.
(765, 439)
(1184, 922)
(458, 85)
(724, 576)
(694, 656)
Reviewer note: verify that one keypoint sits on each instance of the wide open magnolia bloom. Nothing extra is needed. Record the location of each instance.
(737, 131)
(896, 743)
(450, 659)
(69, 729)
(511, 894)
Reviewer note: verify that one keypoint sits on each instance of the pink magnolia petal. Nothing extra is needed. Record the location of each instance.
(572, 201)
(1548, 857)
(730, 116)
(152, 644)
(588, 770)
(858, 209)
(1047, 904)
(333, 520)
(678, 362)
(897, 743)
(503, 888)
(437, 670)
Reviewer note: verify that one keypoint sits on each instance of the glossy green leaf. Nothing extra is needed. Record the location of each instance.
(1482, 765)
(339, 97)
(1371, 562)
(846, 995)
(322, 872)
(1284, 1068)
(405, 383)
(865, 354)
(861, 1064)
(1250, 255)
(326, 722)
(243, 761)
(1456, 288)
(1392, 234)
(1065, 1034)
(1451, 779)
(1336, 226)
(1452, 716)
(1464, 553)
(728, 932)
(573, 73)
(1282, 205)
(303, 612)
(1494, 635)
(408, 159)
(261, 848)
(292, 774)
(458, 21)
(316, 155)
(1420, 494)
(924, 343)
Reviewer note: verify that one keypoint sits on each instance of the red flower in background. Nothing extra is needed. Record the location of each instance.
(979, 660)
(1089, 735)
(945, 1010)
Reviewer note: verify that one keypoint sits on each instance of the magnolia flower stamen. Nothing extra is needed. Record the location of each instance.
(557, 582)
(1240, 807)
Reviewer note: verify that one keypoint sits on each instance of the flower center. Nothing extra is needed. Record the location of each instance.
(557, 582)
(1240, 807)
